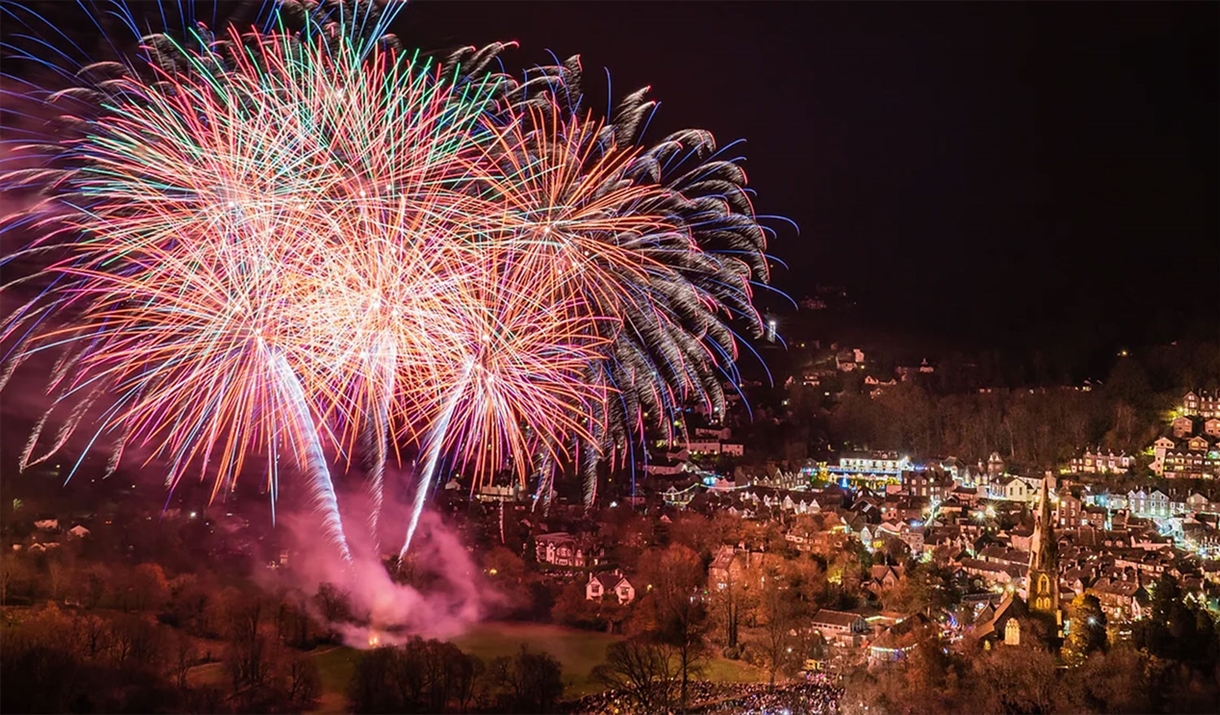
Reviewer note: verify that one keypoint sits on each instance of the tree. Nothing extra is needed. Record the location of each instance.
(14, 576)
(530, 682)
(779, 620)
(1087, 632)
(506, 565)
(1176, 630)
(642, 669)
(674, 611)
(417, 676)
(248, 648)
(1114, 681)
(302, 681)
(1014, 680)
(333, 604)
(183, 656)
(148, 587)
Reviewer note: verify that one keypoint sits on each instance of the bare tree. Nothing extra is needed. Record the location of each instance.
(643, 669)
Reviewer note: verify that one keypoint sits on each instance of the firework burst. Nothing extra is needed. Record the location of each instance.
(477, 268)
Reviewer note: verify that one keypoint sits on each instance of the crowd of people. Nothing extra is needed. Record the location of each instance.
(815, 695)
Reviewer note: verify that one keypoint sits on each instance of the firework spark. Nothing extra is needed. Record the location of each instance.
(477, 269)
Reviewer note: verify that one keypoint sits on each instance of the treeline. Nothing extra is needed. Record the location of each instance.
(430, 676)
(67, 661)
(126, 637)
(1034, 427)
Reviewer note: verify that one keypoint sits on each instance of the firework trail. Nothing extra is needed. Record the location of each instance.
(479, 267)
(380, 435)
(313, 461)
(432, 456)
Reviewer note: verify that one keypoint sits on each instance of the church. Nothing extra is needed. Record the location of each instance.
(1039, 617)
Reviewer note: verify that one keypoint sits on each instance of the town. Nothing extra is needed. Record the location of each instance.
(744, 559)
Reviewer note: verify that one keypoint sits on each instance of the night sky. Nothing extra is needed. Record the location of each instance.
(985, 174)
(988, 173)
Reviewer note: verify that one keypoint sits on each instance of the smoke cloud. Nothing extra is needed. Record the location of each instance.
(439, 593)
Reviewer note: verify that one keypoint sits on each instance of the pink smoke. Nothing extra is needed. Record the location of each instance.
(456, 594)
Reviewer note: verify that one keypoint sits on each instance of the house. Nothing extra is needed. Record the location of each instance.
(47, 524)
(1095, 516)
(933, 484)
(1094, 461)
(505, 493)
(1183, 463)
(900, 639)
(1068, 510)
(1122, 597)
(1199, 502)
(609, 583)
(1182, 427)
(719, 571)
(78, 531)
(1198, 443)
(1153, 504)
(1161, 446)
(966, 495)
(703, 446)
(562, 549)
(849, 360)
(884, 577)
(1012, 489)
(665, 468)
(1211, 427)
(717, 433)
(1203, 404)
(839, 626)
(879, 464)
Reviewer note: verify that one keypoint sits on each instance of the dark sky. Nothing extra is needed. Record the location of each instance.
(992, 172)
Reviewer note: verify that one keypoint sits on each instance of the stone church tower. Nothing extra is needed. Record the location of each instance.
(1043, 578)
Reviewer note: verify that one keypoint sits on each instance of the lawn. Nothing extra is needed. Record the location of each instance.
(578, 651)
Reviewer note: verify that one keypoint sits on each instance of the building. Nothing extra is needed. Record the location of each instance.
(1043, 577)
(875, 466)
(563, 549)
(506, 493)
(1011, 489)
(1186, 464)
(1068, 510)
(608, 583)
(884, 577)
(839, 627)
(1149, 504)
(1097, 462)
(1202, 404)
(719, 433)
(933, 484)
(1002, 624)
(1162, 446)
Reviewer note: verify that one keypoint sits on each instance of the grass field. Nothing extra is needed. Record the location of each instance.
(577, 651)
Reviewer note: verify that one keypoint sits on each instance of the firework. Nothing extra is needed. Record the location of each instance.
(478, 268)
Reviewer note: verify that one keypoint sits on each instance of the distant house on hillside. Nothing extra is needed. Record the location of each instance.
(839, 626)
(609, 582)
(563, 549)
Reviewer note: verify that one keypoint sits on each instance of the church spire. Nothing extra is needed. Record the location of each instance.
(1044, 556)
